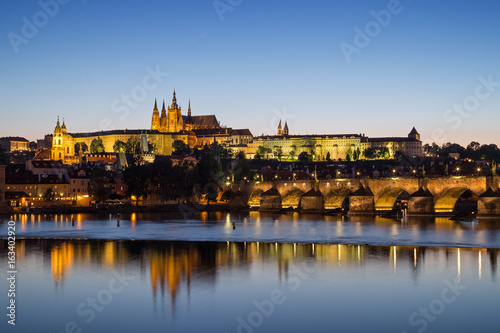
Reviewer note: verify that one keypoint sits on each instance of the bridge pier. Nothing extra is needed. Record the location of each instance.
(312, 202)
(362, 202)
(270, 200)
(421, 202)
(488, 204)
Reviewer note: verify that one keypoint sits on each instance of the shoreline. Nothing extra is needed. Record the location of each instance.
(65, 239)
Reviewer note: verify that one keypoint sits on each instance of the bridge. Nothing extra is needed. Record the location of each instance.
(369, 196)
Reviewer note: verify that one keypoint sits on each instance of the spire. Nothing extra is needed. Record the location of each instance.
(280, 130)
(63, 125)
(285, 129)
(155, 108)
(189, 109)
(58, 125)
(163, 111)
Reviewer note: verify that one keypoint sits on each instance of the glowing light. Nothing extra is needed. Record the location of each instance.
(479, 265)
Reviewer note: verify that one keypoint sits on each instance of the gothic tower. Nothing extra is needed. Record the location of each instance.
(285, 129)
(155, 122)
(280, 130)
(163, 119)
(174, 122)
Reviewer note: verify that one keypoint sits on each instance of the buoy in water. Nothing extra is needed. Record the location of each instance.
(118, 222)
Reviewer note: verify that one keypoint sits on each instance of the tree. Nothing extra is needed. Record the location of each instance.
(77, 149)
(98, 184)
(348, 156)
(49, 195)
(209, 176)
(261, 151)
(304, 156)
(224, 152)
(132, 145)
(384, 153)
(119, 146)
(291, 154)
(137, 177)
(241, 155)
(328, 158)
(179, 147)
(83, 147)
(242, 170)
(370, 153)
(278, 152)
(96, 146)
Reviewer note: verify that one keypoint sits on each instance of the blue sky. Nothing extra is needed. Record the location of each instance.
(432, 65)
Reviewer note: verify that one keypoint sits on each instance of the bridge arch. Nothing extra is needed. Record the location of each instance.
(335, 199)
(448, 200)
(292, 198)
(389, 197)
(254, 198)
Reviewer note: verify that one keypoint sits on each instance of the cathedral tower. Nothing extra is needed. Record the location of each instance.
(174, 117)
(163, 119)
(280, 130)
(285, 129)
(155, 122)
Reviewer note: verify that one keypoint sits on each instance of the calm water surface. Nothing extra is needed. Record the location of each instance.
(162, 286)
(259, 227)
(291, 273)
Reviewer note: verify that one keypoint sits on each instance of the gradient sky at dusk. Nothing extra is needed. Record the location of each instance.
(265, 60)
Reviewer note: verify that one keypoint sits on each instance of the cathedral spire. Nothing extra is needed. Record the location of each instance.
(156, 108)
(189, 109)
(280, 131)
(163, 111)
(63, 125)
(285, 129)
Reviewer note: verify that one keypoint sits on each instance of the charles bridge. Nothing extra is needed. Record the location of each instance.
(368, 196)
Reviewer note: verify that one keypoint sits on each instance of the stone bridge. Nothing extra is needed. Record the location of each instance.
(424, 195)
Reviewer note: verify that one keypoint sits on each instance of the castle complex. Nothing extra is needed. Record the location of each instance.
(198, 131)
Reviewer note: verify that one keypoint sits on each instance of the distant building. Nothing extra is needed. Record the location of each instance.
(336, 146)
(14, 143)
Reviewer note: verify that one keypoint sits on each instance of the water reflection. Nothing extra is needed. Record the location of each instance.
(174, 264)
(185, 286)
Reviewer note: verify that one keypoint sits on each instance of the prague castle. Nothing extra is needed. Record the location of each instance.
(197, 131)
(171, 125)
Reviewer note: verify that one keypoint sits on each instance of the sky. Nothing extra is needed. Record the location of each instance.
(326, 67)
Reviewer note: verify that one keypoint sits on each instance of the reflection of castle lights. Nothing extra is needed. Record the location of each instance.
(61, 261)
(479, 264)
(394, 255)
(415, 257)
(458, 265)
(133, 219)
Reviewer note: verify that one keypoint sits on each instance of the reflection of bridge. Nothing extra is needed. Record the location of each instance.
(424, 195)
